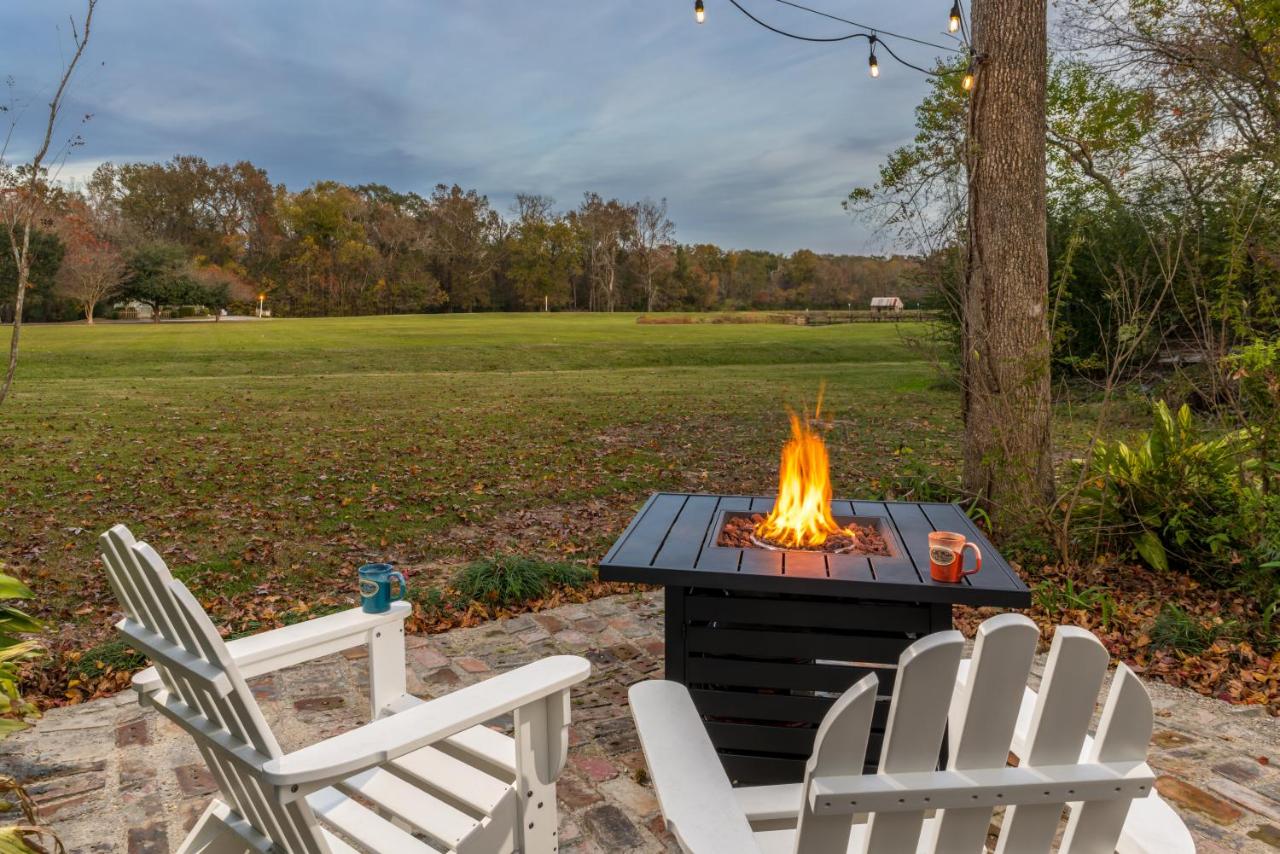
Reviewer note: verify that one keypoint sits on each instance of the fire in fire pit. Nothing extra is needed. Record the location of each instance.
(801, 518)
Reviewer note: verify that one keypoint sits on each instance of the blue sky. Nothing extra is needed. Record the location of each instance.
(754, 139)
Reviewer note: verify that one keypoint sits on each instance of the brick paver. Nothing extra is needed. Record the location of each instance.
(111, 777)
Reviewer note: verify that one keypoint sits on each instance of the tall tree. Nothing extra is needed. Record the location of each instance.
(24, 188)
(93, 265)
(1005, 342)
(466, 236)
(541, 254)
(605, 228)
(651, 245)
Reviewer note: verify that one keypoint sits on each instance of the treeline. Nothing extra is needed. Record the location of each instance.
(188, 232)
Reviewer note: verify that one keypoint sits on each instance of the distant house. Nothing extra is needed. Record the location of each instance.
(880, 305)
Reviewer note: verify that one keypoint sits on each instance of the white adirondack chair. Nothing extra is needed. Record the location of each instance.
(421, 777)
(909, 806)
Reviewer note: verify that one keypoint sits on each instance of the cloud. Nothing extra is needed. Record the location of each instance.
(753, 139)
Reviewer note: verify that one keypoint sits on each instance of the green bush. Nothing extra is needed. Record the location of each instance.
(1176, 497)
(510, 580)
(1256, 370)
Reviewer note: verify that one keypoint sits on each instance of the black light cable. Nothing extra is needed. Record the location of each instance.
(873, 37)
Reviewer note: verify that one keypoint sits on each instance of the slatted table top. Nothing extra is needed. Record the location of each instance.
(670, 542)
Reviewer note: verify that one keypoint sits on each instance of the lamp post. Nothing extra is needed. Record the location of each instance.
(261, 297)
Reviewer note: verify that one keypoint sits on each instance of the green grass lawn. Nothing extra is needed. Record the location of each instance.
(266, 460)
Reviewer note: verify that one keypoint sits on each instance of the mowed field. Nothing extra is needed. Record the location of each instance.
(266, 460)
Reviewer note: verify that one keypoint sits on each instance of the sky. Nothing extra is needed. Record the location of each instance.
(754, 139)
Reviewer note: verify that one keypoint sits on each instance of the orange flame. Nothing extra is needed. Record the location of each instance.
(801, 515)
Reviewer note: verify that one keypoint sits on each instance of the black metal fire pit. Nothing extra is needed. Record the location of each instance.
(767, 640)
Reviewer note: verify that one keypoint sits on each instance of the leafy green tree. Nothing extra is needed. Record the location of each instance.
(465, 245)
(158, 275)
(45, 253)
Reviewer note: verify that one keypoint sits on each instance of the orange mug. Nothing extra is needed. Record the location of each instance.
(946, 556)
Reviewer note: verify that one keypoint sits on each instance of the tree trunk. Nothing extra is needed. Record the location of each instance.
(1006, 343)
(22, 260)
(88, 313)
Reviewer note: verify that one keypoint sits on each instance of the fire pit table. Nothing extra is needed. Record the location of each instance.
(767, 640)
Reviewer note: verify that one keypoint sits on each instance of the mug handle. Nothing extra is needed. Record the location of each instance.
(977, 553)
(404, 586)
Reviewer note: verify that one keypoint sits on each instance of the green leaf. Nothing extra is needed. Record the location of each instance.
(12, 588)
(11, 725)
(13, 620)
(1152, 550)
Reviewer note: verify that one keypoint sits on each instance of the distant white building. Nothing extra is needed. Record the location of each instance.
(884, 304)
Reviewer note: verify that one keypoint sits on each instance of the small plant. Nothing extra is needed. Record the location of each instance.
(510, 580)
(13, 651)
(27, 837)
(1054, 598)
(108, 657)
(916, 480)
(1176, 629)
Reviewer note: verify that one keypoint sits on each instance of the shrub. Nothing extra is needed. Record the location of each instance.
(509, 580)
(1176, 495)
(1256, 370)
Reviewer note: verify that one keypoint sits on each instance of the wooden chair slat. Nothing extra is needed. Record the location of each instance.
(984, 710)
(1060, 722)
(839, 748)
(913, 736)
(1124, 732)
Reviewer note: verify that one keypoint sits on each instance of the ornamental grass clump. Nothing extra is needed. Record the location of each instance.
(509, 580)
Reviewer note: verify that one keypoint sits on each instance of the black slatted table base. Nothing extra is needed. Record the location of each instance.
(767, 640)
(763, 669)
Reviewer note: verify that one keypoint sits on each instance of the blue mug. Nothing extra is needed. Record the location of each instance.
(375, 587)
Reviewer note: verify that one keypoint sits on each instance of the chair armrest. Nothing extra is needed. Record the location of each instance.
(279, 648)
(697, 801)
(391, 737)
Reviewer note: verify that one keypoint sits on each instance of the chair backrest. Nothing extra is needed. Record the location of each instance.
(204, 692)
(979, 714)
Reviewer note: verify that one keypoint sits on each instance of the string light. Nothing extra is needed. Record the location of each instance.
(873, 37)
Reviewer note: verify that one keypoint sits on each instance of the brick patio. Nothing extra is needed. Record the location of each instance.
(111, 777)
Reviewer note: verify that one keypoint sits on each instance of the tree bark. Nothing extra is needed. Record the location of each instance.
(1007, 403)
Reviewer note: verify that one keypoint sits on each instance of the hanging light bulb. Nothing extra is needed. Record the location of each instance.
(871, 62)
(967, 82)
(953, 23)
(699, 11)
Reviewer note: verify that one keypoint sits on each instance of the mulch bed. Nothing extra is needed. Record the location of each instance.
(738, 530)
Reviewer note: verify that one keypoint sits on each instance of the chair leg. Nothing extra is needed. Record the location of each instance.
(386, 667)
(216, 832)
(541, 730)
